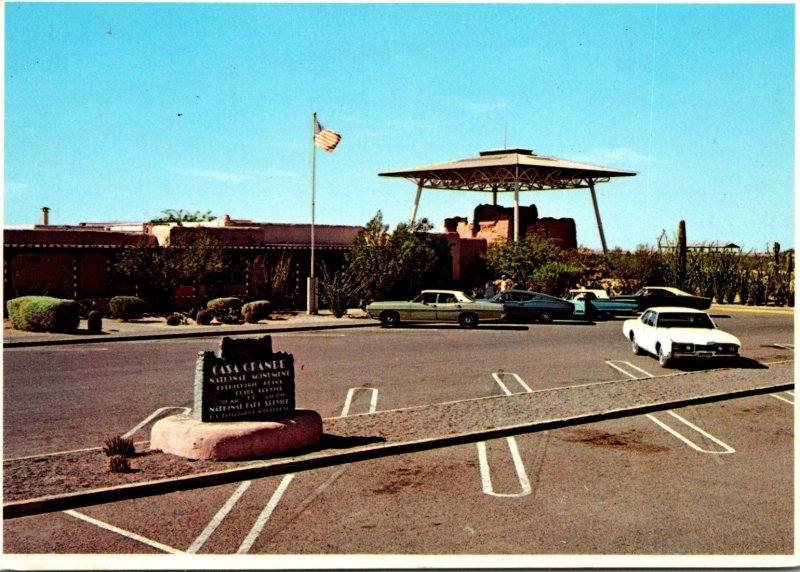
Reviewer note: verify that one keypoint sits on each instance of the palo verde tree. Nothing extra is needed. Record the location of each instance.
(399, 263)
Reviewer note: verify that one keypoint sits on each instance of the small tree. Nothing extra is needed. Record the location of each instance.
(643, 267)
(400, 263)
(521, 259)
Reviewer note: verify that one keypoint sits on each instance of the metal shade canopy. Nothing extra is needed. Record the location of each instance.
(510, 170)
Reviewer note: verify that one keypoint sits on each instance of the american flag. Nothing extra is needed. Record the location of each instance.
(325, 138)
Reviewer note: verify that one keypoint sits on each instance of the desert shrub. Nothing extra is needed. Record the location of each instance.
(256, 310)
(226, 310)
(119, 446)
(339, 291)
(177, 319)
(127, 307)
(117, 464)
(203, 317)
(275, 280)
(43, 314)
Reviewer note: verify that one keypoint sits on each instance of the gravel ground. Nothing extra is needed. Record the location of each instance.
(359, 437)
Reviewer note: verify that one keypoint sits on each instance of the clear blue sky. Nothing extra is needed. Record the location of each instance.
(116, 112)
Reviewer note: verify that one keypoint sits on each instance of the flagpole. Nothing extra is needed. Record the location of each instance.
(311, 305)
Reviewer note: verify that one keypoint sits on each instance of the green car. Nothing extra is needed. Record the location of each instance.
(436, 306)
(595, 304)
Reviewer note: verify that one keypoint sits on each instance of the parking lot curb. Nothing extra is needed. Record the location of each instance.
(210, 333)
(332, 457)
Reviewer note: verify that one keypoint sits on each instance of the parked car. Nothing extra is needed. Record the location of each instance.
(650, 296)
(594, 304)
(436, 306)
(524, 305)
(673, 333)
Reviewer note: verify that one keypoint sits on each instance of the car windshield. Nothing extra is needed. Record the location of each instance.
(684, 320)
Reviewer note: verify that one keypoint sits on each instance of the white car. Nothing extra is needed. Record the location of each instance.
(672, 333)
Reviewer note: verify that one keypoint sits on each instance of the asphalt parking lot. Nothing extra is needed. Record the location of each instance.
(715, 478)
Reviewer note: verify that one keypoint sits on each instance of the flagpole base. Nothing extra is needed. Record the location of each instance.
(311, 296)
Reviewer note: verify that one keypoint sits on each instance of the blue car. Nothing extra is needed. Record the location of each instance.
(525, 306)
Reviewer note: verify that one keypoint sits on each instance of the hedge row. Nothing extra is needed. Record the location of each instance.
(43, 314)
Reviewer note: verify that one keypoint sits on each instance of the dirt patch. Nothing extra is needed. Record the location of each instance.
(627, 440)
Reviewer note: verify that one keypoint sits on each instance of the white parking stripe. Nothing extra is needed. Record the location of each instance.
(267, 512)
(218, 518)
(122, 532)
(486, 477)
(613, 363)
(519, 466)
(152, 416)
(262, 519)
(373, 402)
(789, 401)
(517, 378)
(727, 448)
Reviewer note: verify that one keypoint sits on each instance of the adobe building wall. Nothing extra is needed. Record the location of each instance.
(494, 223)
(560, 231)
(465, 252)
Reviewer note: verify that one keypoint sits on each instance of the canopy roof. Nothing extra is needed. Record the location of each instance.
(502, 169)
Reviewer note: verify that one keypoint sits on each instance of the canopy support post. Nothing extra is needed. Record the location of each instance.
(416, 204)
(597, 216)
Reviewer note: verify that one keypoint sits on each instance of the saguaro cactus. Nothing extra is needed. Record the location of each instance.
(682, 254)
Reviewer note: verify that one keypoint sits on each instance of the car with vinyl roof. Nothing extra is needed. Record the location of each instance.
(437, 306)
(676, 333)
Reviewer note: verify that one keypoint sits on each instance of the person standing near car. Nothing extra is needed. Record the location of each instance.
(503, 284)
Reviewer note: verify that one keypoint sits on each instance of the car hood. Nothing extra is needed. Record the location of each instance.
(701, 336)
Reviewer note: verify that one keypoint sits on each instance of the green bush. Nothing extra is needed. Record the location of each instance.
(258, 310)
(226, 310)
(43, 314)
(126, 307)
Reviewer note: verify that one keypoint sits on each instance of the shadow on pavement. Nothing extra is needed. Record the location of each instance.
(701, 364)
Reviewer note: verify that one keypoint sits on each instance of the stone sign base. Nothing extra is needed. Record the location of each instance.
(238, 440)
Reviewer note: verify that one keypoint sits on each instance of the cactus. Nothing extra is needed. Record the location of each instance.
(119, 446)
(117, 464)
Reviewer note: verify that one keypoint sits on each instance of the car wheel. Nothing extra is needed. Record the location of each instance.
(637, 351)
(468, 320)
(663, 360)
(390, 319)
(545, 317)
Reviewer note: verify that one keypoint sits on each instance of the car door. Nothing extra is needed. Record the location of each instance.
(646, 332)
(448, 307)
(423, 307)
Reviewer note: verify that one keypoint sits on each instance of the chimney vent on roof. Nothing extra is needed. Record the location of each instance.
(45, 216)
